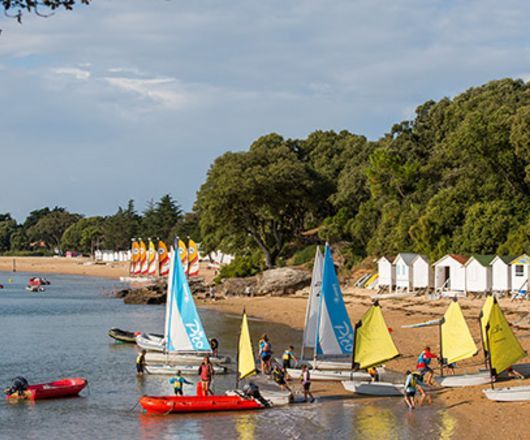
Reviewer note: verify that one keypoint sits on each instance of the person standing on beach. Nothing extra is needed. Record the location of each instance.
(424, 360)
(206, 373)
(306, 383)
(265, 354)
(410, 389)
(140, 363)
(288, 357)
(214, 345)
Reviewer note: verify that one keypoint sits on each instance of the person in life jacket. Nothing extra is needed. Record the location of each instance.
(19, 385)
(140, 363)
(178, 383)
(424, 360)
(214, 345)
(410, 389)
(206, 373)
(265, 354)
(251, 390)
(288, 357)
(374, 374)
(278, 376)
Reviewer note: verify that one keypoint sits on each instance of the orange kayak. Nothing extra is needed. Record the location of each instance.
(185, 404)
(60, 388)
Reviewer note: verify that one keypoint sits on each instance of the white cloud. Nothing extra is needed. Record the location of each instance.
(80, 74)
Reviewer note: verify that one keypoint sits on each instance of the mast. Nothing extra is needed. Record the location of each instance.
(441, 346)
(357, 326)
(310, 298)
(488, 356)
(317, 329)
(237, 353)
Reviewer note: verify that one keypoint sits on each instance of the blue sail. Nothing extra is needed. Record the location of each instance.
(334, 332)
(184, 330)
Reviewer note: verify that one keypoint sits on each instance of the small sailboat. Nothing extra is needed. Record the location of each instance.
(152, 261)
(373, 345)
(163, 259)
(193, 258)
(135, 255)
(184, 339)
(327, 321)
(183, 368)
(144, 263)
(503, 350)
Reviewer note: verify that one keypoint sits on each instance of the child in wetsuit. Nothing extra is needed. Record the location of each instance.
(140, 363)
(287, 357)
(278, 375)
(178, 383)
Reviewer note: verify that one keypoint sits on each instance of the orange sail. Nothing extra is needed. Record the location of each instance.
(144, 264)
(193, 258)
(134, 257)
(163, 259)
(152, 265)
(183, 252)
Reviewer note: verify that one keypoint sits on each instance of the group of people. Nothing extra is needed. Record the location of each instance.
(417, 382)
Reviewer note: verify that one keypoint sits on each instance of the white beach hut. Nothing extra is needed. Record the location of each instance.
(422, 273)
(450, 273)
(501, 278)
(478, 273)
(404, 270)
(387, 272)
(520, 270)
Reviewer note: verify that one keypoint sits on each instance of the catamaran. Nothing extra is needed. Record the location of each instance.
(372, 346)
(184, 338)
(456, 344)
(503, 350)
(328, 328)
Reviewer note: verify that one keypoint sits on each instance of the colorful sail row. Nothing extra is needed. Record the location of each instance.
(150, 261)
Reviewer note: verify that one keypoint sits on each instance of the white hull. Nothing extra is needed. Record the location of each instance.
(330, 375)
(155, 358)
(139, 280)
(325, 365)
(374, 388)
(184, 369)
(463, 380)
(150, 342)
(513, 394)
(275, 397)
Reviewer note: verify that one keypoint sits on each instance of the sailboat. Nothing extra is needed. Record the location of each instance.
(184, 338)
(333, 332)
(373, 345)
(504, 350)
(152, 261)
(193, 258)
(163, 259)
(135, 255)
(456, 344)
(144, 264)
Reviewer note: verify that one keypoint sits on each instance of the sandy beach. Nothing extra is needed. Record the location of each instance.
(477, 417)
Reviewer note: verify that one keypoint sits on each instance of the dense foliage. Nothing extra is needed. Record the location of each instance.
(454, 179)
(16, 8)
(57, 230)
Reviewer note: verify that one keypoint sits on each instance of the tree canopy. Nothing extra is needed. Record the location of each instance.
(17, 8)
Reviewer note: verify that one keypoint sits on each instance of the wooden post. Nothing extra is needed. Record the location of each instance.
(14, 265)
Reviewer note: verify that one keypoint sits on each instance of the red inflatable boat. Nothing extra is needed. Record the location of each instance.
(185, 404)
(52, 390)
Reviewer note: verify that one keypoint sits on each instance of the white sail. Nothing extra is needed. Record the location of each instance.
(169, 297)
(311, 316)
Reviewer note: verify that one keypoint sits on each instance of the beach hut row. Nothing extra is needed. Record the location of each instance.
(455, 273)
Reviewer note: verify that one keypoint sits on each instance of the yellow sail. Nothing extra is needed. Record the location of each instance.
(246, 365)
(183, 252)
(373, 342)
(502, 344)
(457, 342)
(485, 315)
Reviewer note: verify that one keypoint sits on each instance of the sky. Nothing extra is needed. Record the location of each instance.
(134, 99)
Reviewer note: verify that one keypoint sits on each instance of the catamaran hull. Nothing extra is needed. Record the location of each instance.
(325, 365)
(330, 375)
(274, 397)
(463, 380)
(513, 394)
(153, 358)
(184, 369)
(150, 342)
(374, 388)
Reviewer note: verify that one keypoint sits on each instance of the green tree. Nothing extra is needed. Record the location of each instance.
(120, 228)
(84, 235)
(8, 226)
(51, 227)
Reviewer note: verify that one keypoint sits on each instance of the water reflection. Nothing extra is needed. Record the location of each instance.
(246, 427)
(375, 423)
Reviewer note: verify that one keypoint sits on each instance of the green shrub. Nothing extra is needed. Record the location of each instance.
(243, 266)
(304, 255)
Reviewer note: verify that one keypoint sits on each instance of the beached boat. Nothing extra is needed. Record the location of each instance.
(123, 335)
(184, 369)
(372, 346)
(35, 289)
(151, 342)
(53, 390)
(374, 388)
(512, 394)
(463, 380)
(327, 330)
(188, 404)
(332, 375)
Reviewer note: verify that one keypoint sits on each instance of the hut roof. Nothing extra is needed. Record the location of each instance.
(521, 259)
(484, 260)
(407, 257)
(505, 258)
(462, 259)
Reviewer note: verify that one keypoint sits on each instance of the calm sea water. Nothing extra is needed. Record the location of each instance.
(63, 332)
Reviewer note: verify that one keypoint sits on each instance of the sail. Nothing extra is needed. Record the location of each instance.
(311, 315)
(193, 258)
(373, 342)
(183, 252)
(144, 265)
(152, 262)
(503, 346)
(163, 259)
(334, 331)
(184, 331)
(135, 254)
(485, 315)
(457, 342)
(246, 365)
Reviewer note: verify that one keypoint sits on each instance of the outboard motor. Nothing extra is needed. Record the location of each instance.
(252, 390)
(19, 385)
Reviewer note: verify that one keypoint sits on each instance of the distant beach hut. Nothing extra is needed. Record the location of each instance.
(422, 273)
(501, 278)
(520, 270)
(404, 270)
(387, 272)
(478, 273)
(450, 273)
